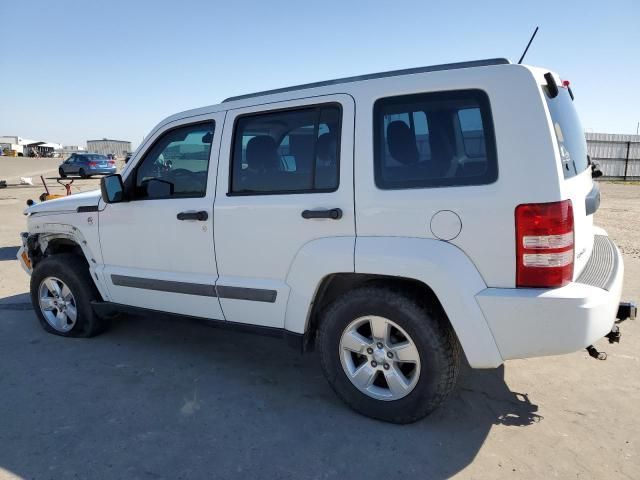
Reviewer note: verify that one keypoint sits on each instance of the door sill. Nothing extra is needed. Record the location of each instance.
(109, 310)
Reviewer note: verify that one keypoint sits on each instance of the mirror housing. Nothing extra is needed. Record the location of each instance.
(112, 188)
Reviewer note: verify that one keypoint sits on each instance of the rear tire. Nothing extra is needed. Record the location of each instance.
(61, 173)
(67, 313)
(436, 354)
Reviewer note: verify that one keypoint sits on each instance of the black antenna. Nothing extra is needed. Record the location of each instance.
(528, 45)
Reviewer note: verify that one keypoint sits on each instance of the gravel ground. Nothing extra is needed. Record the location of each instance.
(155, 398)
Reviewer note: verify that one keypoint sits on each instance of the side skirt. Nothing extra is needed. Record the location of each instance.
(112, 310)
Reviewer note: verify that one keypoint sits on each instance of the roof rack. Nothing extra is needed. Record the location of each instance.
(371, 76)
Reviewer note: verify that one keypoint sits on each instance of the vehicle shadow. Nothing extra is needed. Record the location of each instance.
(156, 397)
(8, 253)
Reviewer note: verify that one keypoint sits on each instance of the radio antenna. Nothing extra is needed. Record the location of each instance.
(528, 45)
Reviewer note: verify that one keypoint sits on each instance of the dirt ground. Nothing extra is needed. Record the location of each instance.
(154, 398)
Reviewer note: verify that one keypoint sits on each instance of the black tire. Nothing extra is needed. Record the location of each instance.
(74, 272)
(61, 173)
(82, 173)
(429, 329)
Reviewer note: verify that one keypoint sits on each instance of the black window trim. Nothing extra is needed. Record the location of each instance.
(132, 177)
(488, 129)
(311, 106)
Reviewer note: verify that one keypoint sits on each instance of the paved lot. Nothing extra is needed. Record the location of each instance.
(155, 398)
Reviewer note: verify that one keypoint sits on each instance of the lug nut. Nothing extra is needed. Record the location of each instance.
(369, 350)
(374, 364)
(380, 345)
(386, 366)
(389, 355)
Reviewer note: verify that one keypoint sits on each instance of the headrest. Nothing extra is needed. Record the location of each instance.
(262, 153)
(402, 143)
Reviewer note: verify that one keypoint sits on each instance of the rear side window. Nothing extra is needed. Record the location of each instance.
(434, 140)
(569, 134)
(289, 151)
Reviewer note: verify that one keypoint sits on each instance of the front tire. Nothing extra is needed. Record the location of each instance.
(388, 355)
(61, 173)
(61, 293)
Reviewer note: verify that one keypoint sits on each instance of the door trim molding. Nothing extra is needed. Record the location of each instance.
(200, 289)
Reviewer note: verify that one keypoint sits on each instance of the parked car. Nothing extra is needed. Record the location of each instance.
(395, 221)
(87, 164)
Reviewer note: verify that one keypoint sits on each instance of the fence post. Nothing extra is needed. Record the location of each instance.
(626, 162)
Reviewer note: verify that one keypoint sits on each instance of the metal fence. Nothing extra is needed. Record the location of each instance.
(617, 155)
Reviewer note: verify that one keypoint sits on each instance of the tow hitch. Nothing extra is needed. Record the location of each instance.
(626, 310)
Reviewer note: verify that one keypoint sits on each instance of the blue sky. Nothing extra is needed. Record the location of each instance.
(76, 70)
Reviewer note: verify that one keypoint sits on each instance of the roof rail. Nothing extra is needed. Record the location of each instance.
(371, 76)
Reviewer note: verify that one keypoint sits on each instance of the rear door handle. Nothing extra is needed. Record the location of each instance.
(333, 213)
(199, 216)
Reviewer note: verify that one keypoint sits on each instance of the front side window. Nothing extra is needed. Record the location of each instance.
(290, 151)
(434, 140)
(177, 165)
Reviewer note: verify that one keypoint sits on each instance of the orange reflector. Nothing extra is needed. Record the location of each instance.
(26, 260)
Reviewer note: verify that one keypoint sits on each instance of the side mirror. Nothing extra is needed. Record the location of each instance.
(112, 188)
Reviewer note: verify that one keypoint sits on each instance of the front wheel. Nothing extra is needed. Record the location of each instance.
(388, 355)
(61, 293)
(61, 173)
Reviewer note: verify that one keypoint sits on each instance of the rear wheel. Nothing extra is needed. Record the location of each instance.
(61, 293)
(387, 355)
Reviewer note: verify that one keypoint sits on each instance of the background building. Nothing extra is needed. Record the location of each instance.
(27, 147)
(119, 148)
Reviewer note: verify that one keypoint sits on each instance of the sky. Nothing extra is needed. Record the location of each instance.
(77, 70)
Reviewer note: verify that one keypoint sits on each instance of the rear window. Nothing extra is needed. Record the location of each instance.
(434, 139)
(94, 158)
(569, 133)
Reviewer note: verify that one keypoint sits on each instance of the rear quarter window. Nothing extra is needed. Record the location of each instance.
(434, 139)
(568, 133)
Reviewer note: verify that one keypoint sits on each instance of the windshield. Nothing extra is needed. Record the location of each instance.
(569, 133)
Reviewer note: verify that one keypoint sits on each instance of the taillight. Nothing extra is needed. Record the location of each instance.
(92, 164)
(112, 162)
(544, 244)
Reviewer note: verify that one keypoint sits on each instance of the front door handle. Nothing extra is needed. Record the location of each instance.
(333, 213)
(199, 216)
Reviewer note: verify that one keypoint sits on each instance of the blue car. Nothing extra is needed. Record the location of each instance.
(86, 165)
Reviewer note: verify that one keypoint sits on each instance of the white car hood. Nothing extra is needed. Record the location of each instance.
(66, 204)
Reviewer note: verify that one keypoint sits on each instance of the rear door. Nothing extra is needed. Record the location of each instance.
(285, 179)
(577, 184)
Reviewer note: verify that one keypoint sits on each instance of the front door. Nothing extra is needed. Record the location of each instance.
(157, 247)
(285, 179)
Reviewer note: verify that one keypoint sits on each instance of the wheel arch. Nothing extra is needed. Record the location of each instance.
(436, 271)
(60, 239)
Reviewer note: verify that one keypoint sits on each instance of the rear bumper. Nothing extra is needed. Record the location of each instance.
(101, 171)
(537, 322)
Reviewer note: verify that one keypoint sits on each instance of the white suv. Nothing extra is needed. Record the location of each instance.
(394, 220)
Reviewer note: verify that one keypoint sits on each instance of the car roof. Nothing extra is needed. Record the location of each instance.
(358, 78)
